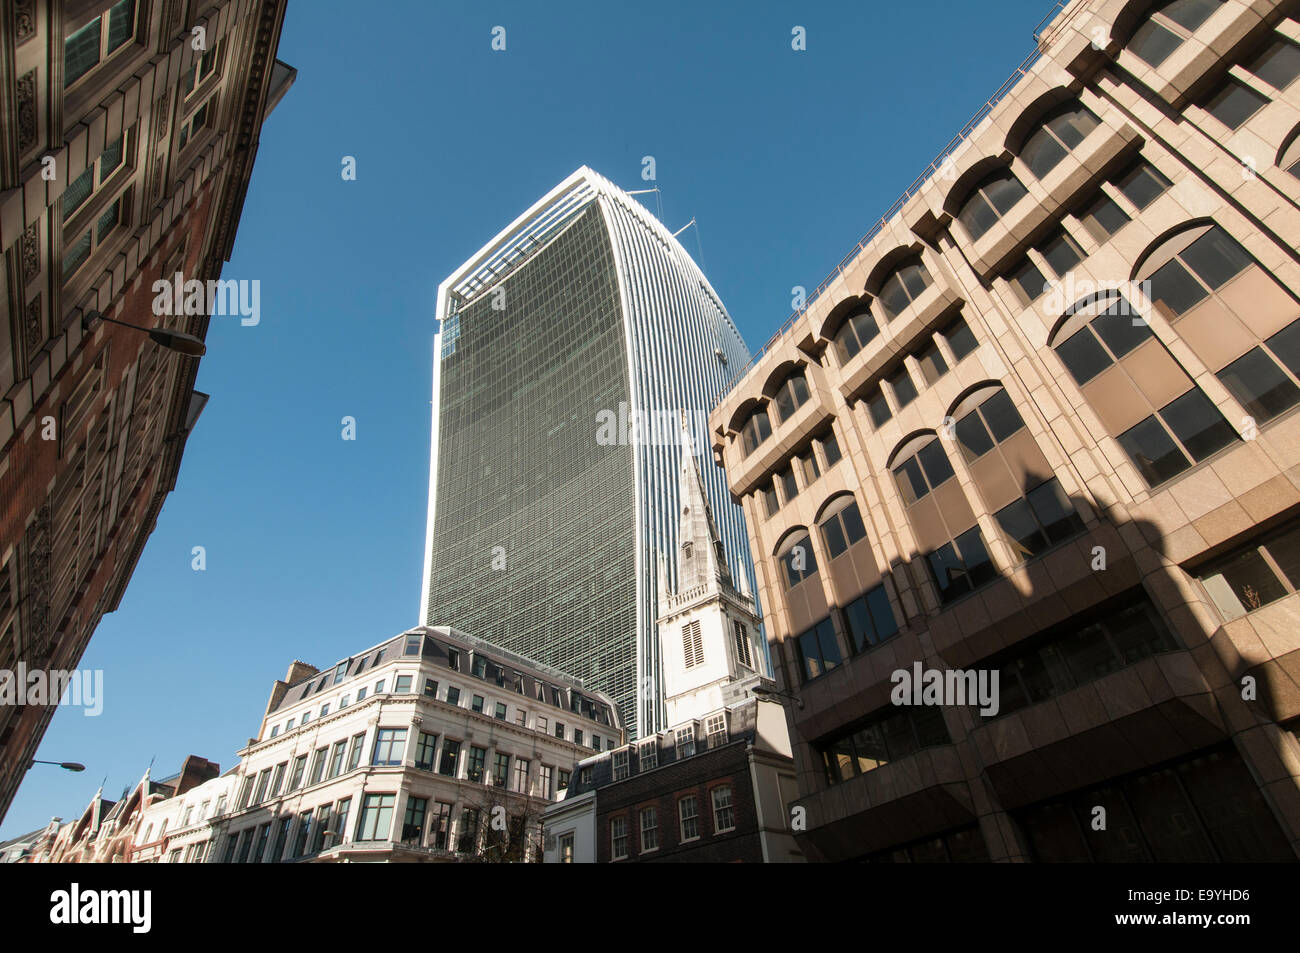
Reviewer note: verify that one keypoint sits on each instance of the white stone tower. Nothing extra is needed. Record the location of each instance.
(708, 629)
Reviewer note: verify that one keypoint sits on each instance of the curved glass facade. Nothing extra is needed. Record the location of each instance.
(569, 349)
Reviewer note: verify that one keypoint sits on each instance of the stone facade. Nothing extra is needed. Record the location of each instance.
(1040, 424)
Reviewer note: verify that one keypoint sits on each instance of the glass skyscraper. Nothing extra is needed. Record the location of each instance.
(570, 349)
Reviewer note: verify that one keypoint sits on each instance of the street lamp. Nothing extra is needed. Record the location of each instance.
(177, 341)
(65, 765)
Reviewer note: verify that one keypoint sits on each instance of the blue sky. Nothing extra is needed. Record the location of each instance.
(315, 544)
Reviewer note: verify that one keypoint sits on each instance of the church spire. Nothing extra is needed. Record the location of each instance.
(700, 559)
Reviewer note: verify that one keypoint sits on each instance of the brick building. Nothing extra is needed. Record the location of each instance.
(1040, 426)
(130, 133)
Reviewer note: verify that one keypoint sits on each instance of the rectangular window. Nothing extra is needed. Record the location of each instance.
(402, 685)
(447, 762)
(741, 634)
(932, 364)
(715, 730)
(440, 826)
(476, 763)
(960, 566)
(501, 711)
(559, 729)
(354, 753)
(900, 382)
(324, 814)
(1143, 184)
(869, 619)
(336, 758)
(522, 768)
(299, 769)
(304, 834)
(771, 504)
(960, 338)
(688, 810)
(477, 703)
(809, 468)
(1061, 252)
(430, 688)
(340, 831)
(1254, 575)
(376, 821)
(1278, 64)
(500, 769)
(1027, 281)
(878, 408)
(467, 841)
(453, 695)
(621, 765)
(618, 838)
(566, 848)
(724, 813)
(263, 779)
(789, 488)
(685, 741)
(1103, 217)
(818, 649)
(545, 776)
(1234, 102)
(830, 449)
(390, 747)
(318, 765)
(649, 830)
(425, 748)
(281, 840)
(563, 783)
(413, 823)
(414, 645)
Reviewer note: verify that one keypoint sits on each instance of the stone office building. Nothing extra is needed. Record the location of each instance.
(1041, 424)
(432, 746)
(126, 156)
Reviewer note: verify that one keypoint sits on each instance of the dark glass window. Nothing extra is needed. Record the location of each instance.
(855, 334)
(830, 449)
(878, 408)
(1143, 184)
(1254, 575)
(798, 561)
(1278, 64)
(1259, 385)
(1235, 102)
(770, 502)
(904, 388)
(960, 338)
(1061, 252)
(932, 364)
(818, 650)
(792, 395)
(960, 566)
(842, 529)
(757, 429)
(1103, 217)
(992, 199)
(1028, 281)
(903, 287)
(869, 620)
(1058, 136)
(1041, 519)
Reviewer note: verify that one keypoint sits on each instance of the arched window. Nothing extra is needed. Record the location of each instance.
(1012, 474)
(1232, 314)
(756, 429)
(1290, 158)
(1059, 135)
(857, 331)
(791, 395)
(991, 199)
(903, 287)
(1168, 26)
(841, 526)
(797, 560)
(941, 519)
(1143, 398)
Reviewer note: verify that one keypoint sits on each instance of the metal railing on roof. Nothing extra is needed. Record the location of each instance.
(1044, 36)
